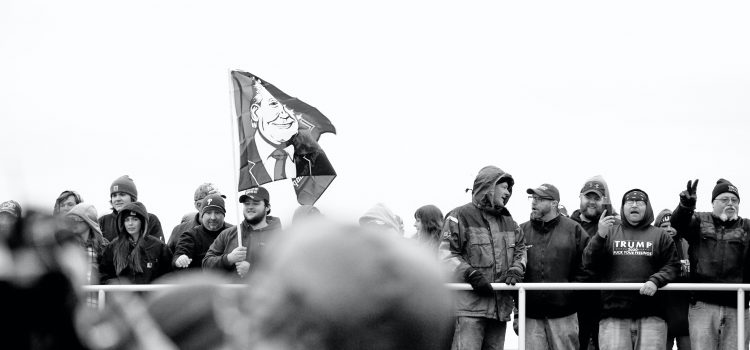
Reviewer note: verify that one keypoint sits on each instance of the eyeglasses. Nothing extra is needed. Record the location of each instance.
(635, 203)
(539, 199)
(727, 200)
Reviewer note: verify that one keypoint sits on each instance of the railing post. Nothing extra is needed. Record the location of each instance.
(100, 303)
(521, 318)
(740, 319)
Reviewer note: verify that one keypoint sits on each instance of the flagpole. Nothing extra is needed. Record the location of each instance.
(237, 166)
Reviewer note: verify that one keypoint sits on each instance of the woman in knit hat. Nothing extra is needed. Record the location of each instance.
(66, 201)
(134, 256)
(82, 222)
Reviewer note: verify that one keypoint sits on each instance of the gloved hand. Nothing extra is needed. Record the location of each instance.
(688, 197)
(478, 282)
(513, 276)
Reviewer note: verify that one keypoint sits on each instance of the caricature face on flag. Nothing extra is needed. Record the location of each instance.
(278, 139)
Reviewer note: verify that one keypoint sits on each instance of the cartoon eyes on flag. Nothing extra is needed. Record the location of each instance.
(272, 125)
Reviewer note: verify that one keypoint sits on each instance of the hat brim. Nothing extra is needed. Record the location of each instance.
(600, 193)
(9, 211)
(540, 194)
(245, 197)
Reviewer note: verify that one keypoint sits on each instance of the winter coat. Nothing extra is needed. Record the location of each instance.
(481, 236)
(156, 260)
(181, 228)
(226, 241)
(195, 243)
(718, 251)
(554, 250)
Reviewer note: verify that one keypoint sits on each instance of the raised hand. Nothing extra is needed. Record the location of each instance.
(605, 222)
(688, 197)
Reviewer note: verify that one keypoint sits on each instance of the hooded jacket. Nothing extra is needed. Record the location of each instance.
(150, 254)
(108, 224)
(485, 237)
(633, 254)
(718, 251)
(554, 249)
(226, 241)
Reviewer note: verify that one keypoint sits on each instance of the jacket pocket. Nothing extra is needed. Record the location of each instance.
(480, 249)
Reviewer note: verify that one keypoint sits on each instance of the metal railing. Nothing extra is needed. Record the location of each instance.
(520, 287)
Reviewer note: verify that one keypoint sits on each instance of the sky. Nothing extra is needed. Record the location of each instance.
(423, 94)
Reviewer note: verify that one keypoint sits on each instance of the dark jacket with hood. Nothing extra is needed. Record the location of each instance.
(195, 243)
(226, 241)
(483, 236)
(108, 224)
(633, 254)
(718, 251)
(554, 249)
(147, 254)
(678, 301)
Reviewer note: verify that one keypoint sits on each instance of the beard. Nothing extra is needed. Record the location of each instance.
(591, 213)
(728, 217)
(255, 218)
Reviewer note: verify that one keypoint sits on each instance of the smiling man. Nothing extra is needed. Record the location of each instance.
(122, 192)
(632, 252)
(194, 243)
(718, 252)
(225, 254)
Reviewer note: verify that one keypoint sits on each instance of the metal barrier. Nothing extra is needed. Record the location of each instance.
(521, 287)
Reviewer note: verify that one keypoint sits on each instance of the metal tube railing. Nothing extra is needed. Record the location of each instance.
(521, 287)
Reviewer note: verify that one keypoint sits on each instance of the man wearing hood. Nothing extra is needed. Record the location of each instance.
(483, 244)
(718, 253)
(193, 243)
(595, 200)
(633, 251)
(554, 247)
(257, 228)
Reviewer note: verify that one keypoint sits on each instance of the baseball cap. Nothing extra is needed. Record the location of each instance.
(213, 201)
(255, 193)
(11, 207)
(595, 187)
(204, 190)
(545, 191)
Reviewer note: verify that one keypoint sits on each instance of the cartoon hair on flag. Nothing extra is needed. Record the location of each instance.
(278, 139)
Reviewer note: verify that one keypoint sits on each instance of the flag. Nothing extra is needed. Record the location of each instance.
(275, 128)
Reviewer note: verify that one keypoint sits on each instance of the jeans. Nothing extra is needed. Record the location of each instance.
(714, 327)
(552, 333)
(478, 333)
(645, 333)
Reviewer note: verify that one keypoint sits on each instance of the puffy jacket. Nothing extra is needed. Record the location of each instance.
(479, 235)
(718, 251)
(226, 241)
(554, 249)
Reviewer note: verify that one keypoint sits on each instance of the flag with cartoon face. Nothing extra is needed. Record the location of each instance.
(279, 139)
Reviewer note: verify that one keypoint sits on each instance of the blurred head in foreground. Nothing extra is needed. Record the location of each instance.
(328, 286)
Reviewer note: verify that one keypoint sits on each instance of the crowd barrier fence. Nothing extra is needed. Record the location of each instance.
(520, 287)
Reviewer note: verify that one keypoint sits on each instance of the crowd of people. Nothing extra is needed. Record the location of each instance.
(317, 285)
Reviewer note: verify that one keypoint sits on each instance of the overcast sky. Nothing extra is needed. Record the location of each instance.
(423, 94)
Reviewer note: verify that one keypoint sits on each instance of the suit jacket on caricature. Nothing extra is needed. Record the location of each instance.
(309, 160)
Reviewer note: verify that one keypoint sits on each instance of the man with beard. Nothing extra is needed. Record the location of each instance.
(193, 219)
(554, 248)
(632, 252)
(482, 244)
(594, 201)
(256, 228)
(719, 254)
(193, 243)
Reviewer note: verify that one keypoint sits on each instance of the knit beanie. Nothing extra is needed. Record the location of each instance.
(724, 186)
(124, 184)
